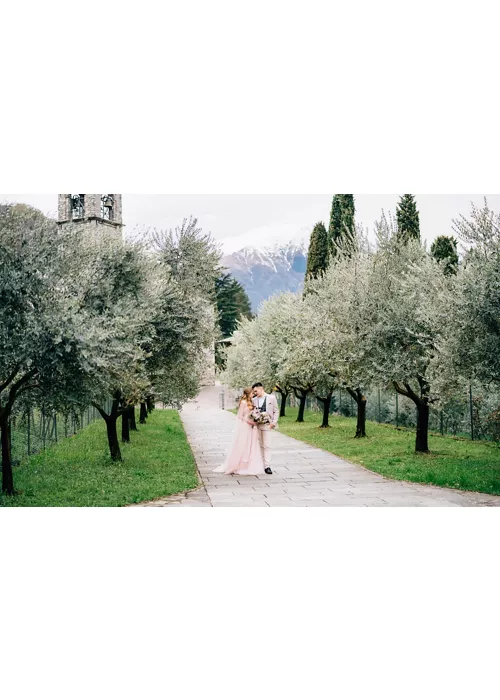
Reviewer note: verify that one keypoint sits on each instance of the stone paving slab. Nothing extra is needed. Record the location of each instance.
(304, 476)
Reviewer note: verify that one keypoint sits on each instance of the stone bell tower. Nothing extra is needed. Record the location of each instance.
(96, 212)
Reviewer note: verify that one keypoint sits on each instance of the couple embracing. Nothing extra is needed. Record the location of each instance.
(258, 415)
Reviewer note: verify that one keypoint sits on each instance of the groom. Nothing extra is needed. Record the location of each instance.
(267, 404)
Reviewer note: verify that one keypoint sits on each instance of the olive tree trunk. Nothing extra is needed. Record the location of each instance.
(111, 420)
(422, 441)
(423, 411)
(7, 475)
(27, 382)
(114, 446)
(284, 397)
(302, 397)
(327, 402)
(131, 414)
(360, 399)
(125, 428)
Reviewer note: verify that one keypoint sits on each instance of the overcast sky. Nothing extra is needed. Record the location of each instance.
(261, 220)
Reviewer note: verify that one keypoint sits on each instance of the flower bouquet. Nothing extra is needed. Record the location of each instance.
(260, 418)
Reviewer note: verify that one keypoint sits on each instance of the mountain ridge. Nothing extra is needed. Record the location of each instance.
(264, 272)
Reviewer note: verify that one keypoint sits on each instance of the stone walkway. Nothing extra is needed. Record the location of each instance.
(303, 475)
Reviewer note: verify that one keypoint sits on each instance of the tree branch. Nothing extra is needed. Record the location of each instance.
(27, 377)
(101, 411)
(15, 388)
(9, 379)
(412, 395)
(400, 390)
(353, 393)
(28, 387)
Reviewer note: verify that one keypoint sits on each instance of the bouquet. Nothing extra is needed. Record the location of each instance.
(259, 417)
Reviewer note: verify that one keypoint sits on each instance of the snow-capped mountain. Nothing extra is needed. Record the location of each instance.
(269, 271)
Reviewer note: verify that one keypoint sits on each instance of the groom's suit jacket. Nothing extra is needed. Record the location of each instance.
(272, 410)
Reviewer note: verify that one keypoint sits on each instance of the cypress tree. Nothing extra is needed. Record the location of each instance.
(342, 231)
(318, 257)
(444, 248)
(348, 214)
(335, 229)
(408, 219)
(233, 304)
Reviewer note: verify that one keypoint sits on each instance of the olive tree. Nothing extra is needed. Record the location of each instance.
(339, 299)
(184, 319)
(404, 321)
(313, 360)
(299, 358)
(261, 348)
(473, 315)
(243, 362)
(275, 342)
(57, 335)
(112, 288)
(183, 328)
(281, 323)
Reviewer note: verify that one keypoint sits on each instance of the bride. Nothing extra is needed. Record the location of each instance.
(245, 457)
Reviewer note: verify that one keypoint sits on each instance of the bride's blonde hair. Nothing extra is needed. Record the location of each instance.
(247, 397)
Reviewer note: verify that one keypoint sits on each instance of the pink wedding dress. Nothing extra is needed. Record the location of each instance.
(245, 456)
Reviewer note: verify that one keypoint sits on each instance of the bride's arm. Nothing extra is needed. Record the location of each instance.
(244, 413)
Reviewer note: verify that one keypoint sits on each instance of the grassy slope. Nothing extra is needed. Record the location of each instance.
(460, 464)
(78, 471)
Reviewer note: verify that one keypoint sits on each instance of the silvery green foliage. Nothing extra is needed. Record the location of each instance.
(312, 363)
(282, 339)
(299, 355)
(276, 339)
(179, 354)
(338, 302)
(59, 331)
(473, 339)
(184, 319)
(244, 366)
(404, 316)
(190, 256)
(480, 232)
(117, 295)
(262, 346)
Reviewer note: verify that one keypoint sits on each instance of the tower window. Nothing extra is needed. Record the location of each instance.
(107, 206)
(77, 206)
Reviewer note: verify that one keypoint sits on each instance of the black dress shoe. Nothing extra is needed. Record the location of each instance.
(269, 470)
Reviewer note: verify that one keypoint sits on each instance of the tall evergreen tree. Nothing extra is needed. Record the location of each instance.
(319, 253)
(341, 234)
(408, 219)
(348, 214)
(444, 248)
(335, 221)
(233, 304)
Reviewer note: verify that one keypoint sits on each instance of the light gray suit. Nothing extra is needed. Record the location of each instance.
(272, 411)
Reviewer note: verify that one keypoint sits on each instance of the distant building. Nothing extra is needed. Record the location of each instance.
(95, 212)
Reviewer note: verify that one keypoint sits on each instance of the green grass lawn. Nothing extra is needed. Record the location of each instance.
(79, 472)
(458, 464)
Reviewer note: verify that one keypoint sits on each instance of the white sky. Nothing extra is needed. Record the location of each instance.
(260, 220)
